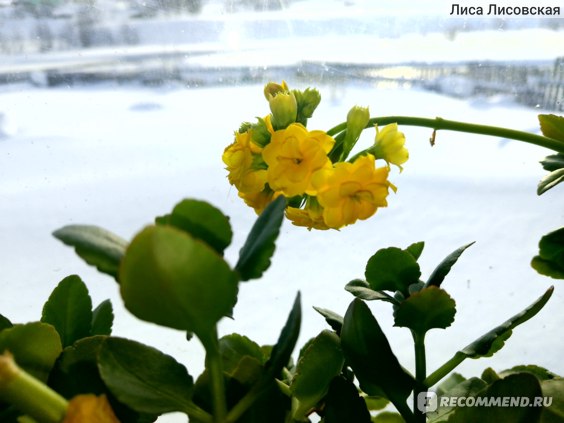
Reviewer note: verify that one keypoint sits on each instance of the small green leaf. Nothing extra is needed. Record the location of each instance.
(550, 181)
(491, 342)
(97, 246)
(416, 249)
(443, 269)
(35, 347)
(201, 220)
(280, 355)
(552, 126)
(519, 387)
(102, 319)
(369, 354)
(319, 364)
(343, 404)
(5, 323)
(69, 310)
(388, 417)
(333, 319)
(392, 269)
(553, 389)
(550, 261)
(254, 257)
(553, 162)
(540, 372)
(144, 378)
(171, 279)
(430, 308)
(361, 289)
(234, 347)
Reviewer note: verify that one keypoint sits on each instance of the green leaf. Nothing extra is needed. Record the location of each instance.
(520, 387)
(388, 417)
(144, 378)
(343, 404)
(550, 181)
(552, 126)
(319, 364)
(171, 279)
(443, 269)
(553, 162)
(254, 257)
(449, 383)
(416, 249)
(392, 269)
(550, 261)
(102, 319)
(69, 310)
(201, 220)
(540, 372)
(35, 347)
(553, 389)
(430, 308)
(466, 388)
(96, 246)
(493, 341)
(361, 289)
(281, 352)
(234, 347)
(369, 354)
(5, 323)
(333, 319)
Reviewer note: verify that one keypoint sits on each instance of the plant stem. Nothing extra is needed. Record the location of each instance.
(215, 368)
(445, 369)
(420, 373)
(28, 394)
(197, 413)
(472, 128)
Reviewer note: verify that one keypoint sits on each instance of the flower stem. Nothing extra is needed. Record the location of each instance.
(420, 372)
(445, 369)
(215, 368)
(472, 128)
(28, 394)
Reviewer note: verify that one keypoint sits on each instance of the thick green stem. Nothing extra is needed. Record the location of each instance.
(28, 394)
(420, 373)
(215, 369)
(451, 125)
(197, 413)
(445, 369)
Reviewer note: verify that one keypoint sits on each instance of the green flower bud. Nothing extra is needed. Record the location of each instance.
(357, 119)
(283, 104)
(308, 101)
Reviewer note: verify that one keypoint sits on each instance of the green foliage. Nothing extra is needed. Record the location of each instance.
(254, 257)
(552, 126)
(96, 246)
(443, 269)
(392, 269)
(550, 261)
(102, 319)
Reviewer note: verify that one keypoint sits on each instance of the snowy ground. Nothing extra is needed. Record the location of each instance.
(116, 157)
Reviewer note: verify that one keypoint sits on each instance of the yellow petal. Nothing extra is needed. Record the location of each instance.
(90, 408)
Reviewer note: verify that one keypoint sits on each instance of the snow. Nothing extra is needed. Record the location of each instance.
(117, 157)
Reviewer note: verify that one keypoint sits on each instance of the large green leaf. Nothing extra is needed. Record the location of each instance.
(144, 378)
(550, 261)
(392, 269)
(318, 365)
(369, 354)
(35, 347)
(254, 257)
(494, 340)
(439, 274)
(552, 126)
(286, 343)
(5, 323)
(102, 319)
(521, 387)
(343, 403)
(465, 388)
(430, 308)
(172, 279)
(97, 246)
(69, 310)
(361, 289)
(553, 392)
(201, 220)
(550, 181)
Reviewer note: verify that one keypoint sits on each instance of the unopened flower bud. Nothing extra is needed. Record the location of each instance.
(283, 104)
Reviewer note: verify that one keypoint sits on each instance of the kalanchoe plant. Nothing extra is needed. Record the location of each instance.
(67, 367)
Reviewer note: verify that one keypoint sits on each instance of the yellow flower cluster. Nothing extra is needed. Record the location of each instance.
(280, 156)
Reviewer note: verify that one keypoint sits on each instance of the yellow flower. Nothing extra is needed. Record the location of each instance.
(351, 191)
(90, 408)
(241, 159)
(259, 200)
(390, 145)
(293, 155)
(310, 217)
